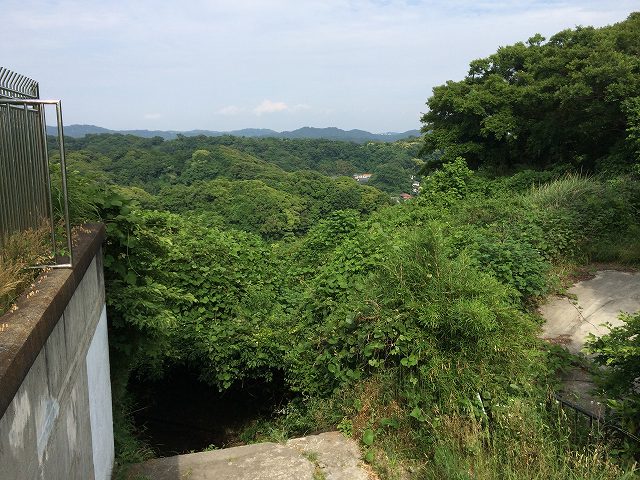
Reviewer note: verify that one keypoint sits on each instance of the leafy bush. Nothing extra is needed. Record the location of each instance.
(194, 294)
(450, 181)
(515, 263)
(596, 217)
(442, 325)
(619, 353)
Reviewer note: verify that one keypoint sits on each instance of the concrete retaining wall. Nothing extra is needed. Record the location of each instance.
(56, 420)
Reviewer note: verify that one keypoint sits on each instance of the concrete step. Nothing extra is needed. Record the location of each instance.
(328, 456)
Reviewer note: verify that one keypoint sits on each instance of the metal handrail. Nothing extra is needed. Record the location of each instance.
(598, 418)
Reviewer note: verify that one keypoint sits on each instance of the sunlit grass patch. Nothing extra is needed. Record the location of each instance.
(519, 443)
(564, 192)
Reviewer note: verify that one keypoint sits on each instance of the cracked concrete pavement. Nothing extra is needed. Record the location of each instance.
(599, 300)
(589, 305)
(329, 456)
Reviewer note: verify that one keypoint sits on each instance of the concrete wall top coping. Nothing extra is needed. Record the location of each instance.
(23, 332)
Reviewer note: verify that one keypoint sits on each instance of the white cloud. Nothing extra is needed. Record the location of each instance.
(299, 107)
(230, 110)
(269, 106)
(152, 116)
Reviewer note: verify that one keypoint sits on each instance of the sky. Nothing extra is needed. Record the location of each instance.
(279, 64)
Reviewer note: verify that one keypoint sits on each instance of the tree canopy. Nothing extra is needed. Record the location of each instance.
(573, 99)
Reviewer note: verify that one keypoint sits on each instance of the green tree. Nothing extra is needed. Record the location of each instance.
(571, 99)
(391, 178)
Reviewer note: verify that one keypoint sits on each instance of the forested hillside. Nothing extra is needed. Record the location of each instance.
(411, 327)
(268, 186)
(170, 157)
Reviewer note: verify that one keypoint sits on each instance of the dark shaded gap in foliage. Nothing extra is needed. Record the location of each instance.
(180, 414)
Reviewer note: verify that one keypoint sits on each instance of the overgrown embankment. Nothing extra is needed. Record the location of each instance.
(411, 329)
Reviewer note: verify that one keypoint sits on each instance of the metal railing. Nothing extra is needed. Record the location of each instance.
(25, 181)
(595, 419)
(14, 85)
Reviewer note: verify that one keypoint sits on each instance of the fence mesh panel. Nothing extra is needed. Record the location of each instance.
(25, 183)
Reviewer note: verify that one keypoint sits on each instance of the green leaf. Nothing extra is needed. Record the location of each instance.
(389, 422)
(130, 278)
(409, 361)
(368, 437)
(417, 414)
(369, 456)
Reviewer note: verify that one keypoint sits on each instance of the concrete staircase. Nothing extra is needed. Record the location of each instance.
(328, 456)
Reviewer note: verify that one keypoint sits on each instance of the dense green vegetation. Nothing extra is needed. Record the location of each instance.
(284, 191)
(411, 327)
(155, 162)
(618, 352)
(573, 100)
(423, 305)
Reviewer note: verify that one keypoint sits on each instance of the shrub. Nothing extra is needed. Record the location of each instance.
(619, 352)
(444, 327)
(449, 182)
(515, 263)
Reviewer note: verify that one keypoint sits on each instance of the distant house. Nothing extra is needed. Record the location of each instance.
(405, 196)
(362, 177)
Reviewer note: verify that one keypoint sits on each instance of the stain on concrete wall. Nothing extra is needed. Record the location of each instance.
(20, 419)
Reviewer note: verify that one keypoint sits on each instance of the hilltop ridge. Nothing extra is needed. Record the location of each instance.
(329, 133)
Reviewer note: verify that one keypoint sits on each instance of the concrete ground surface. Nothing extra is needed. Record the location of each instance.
(597, 301)
(328, 456)
(570, 319)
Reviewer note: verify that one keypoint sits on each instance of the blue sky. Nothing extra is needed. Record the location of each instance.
(280, 64)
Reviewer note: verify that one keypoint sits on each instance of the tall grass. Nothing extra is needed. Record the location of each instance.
(564, 192)
(20, 251)
(523, 447)
(602, 215)
(520, 440)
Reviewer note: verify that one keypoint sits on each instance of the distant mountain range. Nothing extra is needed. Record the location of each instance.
(329, 133)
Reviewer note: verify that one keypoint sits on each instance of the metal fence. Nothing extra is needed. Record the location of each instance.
(600, 423)
(25, 181)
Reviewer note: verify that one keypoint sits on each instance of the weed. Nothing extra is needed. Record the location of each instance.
(318, 473)
(20, 251)
(345, 427)
(311, 456)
